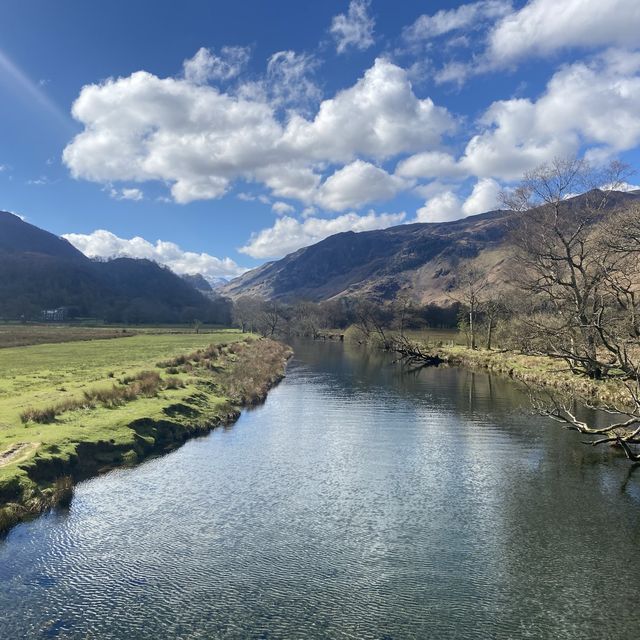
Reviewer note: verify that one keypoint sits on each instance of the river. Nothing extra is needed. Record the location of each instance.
(360, 501)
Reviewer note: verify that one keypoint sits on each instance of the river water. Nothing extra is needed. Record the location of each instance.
(361, 501)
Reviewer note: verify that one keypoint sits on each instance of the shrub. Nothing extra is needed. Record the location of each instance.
(42, 416)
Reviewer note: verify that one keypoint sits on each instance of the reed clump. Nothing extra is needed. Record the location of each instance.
(184, 363)
(251, 372)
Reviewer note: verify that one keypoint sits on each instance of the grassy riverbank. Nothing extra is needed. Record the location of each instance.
(537, 371)
(71, 410)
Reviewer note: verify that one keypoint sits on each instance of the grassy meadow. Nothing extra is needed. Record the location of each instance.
(69, 409)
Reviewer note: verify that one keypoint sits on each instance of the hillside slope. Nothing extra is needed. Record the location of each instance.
(39, 270)
(18, 236)
(423, 259)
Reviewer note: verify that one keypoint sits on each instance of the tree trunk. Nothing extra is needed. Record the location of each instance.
(489, 333)
(472, 329)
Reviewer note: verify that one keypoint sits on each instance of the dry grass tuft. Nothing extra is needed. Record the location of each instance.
(144, 384)
(253, 371)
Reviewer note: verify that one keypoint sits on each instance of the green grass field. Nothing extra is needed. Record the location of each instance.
(19, 335)
(198, 387)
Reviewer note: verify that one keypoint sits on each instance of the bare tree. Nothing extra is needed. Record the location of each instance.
(270, 318)
(578, 260)
(622, 429)
(371, 318)
(308, 319)
(472, 294)
(402, 308)
(493, 308)
(246, 311)
(564, 263)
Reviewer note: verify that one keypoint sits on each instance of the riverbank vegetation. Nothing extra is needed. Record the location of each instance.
(571, 319)
(70, 410)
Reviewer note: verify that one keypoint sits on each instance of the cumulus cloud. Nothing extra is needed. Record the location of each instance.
(543, 27)
(289, 234)
(587, 106)
(207, 65)
(282, 208)
(465, 17)
(484, 197)
(200, 140)
(356, 184)
(355, 28)
(586, 103)
(379, 117)
(446, 205)
(441, 208)
(290, 180)
(430, 164)
(146, 128)
(104, 244)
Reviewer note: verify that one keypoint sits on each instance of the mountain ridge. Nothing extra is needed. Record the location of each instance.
(424, 259)
(40, 271)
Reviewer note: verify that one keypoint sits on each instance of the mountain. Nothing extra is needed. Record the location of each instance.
(40, 271)
(18, 236)
(422, 258)
(197, 281)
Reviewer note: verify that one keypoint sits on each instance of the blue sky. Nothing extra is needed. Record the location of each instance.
(212, 136)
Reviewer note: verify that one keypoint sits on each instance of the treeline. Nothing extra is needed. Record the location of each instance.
(313, 319)
(118, 291)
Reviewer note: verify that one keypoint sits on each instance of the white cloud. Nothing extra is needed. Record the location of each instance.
(586, 103)
(308, 212)
(126, 194)
(291, 180)
(199, 140)
(104, 244)
(454, 72)
(443, 207)
(146, 128)
(206, 65)
(289, 81)
(289, 234)
(355, 29)
(484, 197)
(287, 84)
(588, 106)
(282, 208)
(430, 164)
(356, 184)
(39, 182)
(465, 17)
(446, 205)
(543, 27)
(379, 117)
